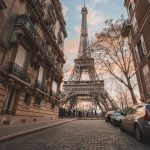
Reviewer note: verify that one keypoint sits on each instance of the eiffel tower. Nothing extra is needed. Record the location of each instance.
(77, 86)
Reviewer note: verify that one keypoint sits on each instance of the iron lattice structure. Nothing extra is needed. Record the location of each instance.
(75, 86)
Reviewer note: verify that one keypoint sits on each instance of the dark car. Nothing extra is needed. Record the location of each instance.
(116, 118)
(108, 116)
(137, 120)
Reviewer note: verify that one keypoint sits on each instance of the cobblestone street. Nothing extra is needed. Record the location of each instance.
(77, 135)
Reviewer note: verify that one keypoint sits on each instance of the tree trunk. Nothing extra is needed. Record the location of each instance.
(132, 92)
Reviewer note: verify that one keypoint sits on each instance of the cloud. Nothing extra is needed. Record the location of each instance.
(70, 51)
(71, 45)
(94, 18)
(77, 29)
(65, 9)
(93, 3)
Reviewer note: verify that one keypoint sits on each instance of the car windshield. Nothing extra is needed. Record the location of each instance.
(117, 114)
(148, 107)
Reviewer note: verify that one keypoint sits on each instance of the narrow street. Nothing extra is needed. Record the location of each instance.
(77, 135)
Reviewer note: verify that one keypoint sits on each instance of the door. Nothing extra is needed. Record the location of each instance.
(10, 102)
(128, 118)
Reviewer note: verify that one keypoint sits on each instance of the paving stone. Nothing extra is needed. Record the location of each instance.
(77, 135)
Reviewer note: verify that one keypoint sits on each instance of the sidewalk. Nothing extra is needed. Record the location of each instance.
(7, 133)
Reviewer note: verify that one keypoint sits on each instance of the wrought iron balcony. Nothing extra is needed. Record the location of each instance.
(24, 22)
(126, 28)
(3, 4)
(37, 6)
(40, 85)
(18, 72)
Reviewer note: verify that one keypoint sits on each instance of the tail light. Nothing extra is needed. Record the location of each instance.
(147, 115)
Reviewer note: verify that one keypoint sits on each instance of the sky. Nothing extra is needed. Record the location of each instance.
(98, 12)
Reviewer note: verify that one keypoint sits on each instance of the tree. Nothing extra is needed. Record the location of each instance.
(113, 54)
(123, 97)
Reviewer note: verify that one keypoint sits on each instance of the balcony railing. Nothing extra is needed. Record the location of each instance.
(37, 6)
(24, 22)
(40, 85)
(18, 72)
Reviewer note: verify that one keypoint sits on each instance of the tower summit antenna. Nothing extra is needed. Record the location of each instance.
(84, 4)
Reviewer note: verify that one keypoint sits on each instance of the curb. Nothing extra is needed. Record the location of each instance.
(15, 135)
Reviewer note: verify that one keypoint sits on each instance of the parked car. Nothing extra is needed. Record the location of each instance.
(137, 120)
(116, 118)
(108, 115)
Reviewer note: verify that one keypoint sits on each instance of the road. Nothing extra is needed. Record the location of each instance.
(77, 135)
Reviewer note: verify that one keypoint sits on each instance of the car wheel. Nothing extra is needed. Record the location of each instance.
(138, 134)
(115, 123)
(121, 127)
(106, 119)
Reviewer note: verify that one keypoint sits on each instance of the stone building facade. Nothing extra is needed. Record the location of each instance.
(137, 29)
(32, 34)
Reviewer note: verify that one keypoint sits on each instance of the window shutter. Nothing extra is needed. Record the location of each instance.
(57, 29)
(41, 72)
(134, 23)
(21, 56)
(54, 86)
(137, 54)
(133, 4)
(143, 45)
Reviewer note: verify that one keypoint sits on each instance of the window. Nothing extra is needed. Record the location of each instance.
(27, 99)
(1, 57)
(148, 108)
(140, 49)
(132, 111)
(134, 23)
(41, 74)
(11, 102)
(54, 86)
(137, 54)
(21, 56)
(38, 100)
(57, 28)
(143, 45)
(133, 4)
(140, 111)
(130, 10)
(146, 73)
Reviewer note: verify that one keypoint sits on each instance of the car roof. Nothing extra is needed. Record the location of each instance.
(138, 105)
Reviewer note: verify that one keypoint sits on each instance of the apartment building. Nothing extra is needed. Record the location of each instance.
(137, 29)
(32, 34)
